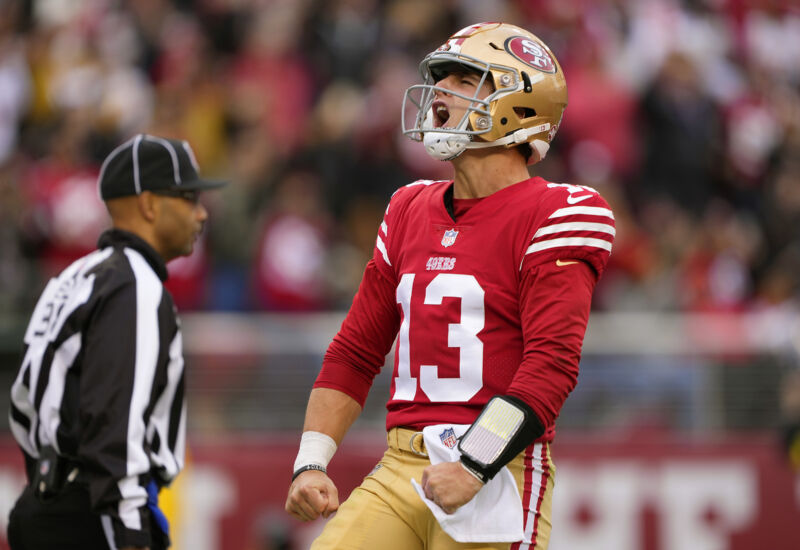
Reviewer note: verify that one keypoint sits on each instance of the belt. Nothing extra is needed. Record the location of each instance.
(52, 473)
(405, 439)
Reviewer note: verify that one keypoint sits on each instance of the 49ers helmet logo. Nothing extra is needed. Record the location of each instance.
(531, 53)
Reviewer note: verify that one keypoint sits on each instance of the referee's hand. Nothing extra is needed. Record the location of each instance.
(312, 494)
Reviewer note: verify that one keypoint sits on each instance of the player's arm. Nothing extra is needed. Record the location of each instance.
(353, 359)
(329, 415)
(564, 259)
(554, 305)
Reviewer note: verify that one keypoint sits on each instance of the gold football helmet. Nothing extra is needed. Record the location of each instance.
(529, 97)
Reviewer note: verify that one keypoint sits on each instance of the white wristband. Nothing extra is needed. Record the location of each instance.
(315, 448)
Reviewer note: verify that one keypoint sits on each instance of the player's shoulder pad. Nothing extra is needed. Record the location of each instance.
(576, 223)
(414, 188)
(407, 193)
(400, 203)
(561, 195)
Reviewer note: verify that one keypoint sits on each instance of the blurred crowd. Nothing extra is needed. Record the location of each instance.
(684, 114)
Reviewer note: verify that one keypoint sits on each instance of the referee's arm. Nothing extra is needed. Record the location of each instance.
(123, 349)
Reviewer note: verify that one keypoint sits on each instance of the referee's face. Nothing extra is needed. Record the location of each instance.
(179, 223)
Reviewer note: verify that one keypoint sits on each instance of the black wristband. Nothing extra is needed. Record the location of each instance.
(530, 430)
(307, 467)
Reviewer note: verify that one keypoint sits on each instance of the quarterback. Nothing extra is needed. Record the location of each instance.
(485, 282)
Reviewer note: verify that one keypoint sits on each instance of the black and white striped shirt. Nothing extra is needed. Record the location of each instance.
(102, 380)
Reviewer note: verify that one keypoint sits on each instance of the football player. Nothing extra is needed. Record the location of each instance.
(486, 282)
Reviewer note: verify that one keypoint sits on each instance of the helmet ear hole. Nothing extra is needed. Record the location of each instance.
(524, 112)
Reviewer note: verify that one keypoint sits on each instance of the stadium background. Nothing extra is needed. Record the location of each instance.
(684, 114)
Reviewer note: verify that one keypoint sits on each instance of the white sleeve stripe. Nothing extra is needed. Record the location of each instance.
(148, 298)
(179, 452)
(50, 407)
(569, 241)
(180, 444)
(108, 531)
(575, 226)
(160, 417)
(134, 496)
(588, 210)
(385, 228)
(382, 248)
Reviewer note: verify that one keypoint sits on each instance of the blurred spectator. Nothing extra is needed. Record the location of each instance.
(681, 134)
(790, 416)
(715, 274)
(599, 126)
(191, 99)
(63, 214)
(629, 276)
(781, 204)
(268, 81)
(188, 278)
(772, 38)
(753, 131)
(14, 80)
(341, 36)
(291, 258)
(232, 242)
(17, 273)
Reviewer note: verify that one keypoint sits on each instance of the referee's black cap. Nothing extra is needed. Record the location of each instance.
(151, 163)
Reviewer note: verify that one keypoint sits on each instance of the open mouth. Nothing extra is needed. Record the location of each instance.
(441, 114)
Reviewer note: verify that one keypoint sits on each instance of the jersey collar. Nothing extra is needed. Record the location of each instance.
(119, 238)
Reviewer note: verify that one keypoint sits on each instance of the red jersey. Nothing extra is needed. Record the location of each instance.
(494, 302)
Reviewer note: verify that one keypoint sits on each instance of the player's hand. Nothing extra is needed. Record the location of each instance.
(449, 485)
(312, 494)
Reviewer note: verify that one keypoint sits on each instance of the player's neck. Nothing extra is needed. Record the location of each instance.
(481, 172)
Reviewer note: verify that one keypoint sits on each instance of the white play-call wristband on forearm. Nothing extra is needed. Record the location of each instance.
(316, 451)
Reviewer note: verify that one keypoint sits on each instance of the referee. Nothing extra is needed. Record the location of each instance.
(97, 407)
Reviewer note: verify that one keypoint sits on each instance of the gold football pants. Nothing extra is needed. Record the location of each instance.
(385, 513)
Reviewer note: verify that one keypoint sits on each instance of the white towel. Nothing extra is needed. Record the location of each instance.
(493, 515)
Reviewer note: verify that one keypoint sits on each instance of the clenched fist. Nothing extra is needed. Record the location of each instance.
(312, 494)
(449, 485)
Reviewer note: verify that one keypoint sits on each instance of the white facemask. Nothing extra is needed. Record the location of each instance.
(447, 146)
(444, 145)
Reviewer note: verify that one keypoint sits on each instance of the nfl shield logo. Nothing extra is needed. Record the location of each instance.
(448, 437)
(449, 237)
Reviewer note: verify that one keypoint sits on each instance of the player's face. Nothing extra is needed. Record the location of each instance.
(179, 223)
(449, 109)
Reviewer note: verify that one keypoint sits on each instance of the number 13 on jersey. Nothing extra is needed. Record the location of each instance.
(462, 335)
